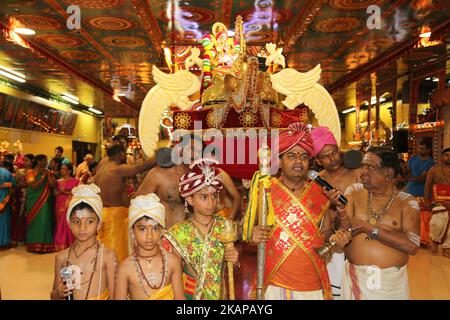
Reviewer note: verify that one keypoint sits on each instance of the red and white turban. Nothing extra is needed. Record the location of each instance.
(203, 174)
(297, 134)
(321, 137)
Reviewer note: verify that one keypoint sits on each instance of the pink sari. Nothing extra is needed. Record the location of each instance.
(63, 234)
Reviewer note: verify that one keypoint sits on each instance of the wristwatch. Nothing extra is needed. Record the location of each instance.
(374, 234)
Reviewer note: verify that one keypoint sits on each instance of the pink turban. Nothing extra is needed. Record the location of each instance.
(321, 137)
(203, 173)
(297, 134)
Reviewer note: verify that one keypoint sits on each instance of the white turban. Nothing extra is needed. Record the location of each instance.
(145, 206)
(87, 193)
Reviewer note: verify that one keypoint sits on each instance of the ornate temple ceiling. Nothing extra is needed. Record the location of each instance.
(120, 40)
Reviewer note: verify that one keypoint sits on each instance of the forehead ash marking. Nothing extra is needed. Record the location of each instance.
(149, 221)
(84, 214)
(370, 157)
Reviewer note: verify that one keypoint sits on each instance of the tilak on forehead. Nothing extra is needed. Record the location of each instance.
(203, 173)
(370, 156)
(148, 205)
(89, 194)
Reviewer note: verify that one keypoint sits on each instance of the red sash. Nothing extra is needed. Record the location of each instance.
(39, 203)
(441, 192)
(296, 226)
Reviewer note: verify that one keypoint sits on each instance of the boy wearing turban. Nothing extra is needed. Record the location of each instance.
(199, 239)
(329, 157)
(149, 273)
(297, 221)
(92, 266)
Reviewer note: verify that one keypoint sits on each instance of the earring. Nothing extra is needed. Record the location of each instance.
(186, 209)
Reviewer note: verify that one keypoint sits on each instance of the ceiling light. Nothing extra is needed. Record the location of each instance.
(349, 110)
(70, 98)
(428, 78)
(11, 76)
(425, 34)
(436, 79)
(25, 31)
(95, 110)
(88, 112)
(21, 75)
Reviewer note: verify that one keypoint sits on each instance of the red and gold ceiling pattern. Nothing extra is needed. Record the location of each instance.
(355, 4)
(120, 40)
(111, 23)
(96, 4)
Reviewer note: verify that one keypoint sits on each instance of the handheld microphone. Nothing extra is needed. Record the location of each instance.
(66, 274)
(313, 175)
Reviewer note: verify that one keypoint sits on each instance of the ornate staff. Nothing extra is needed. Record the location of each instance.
(264, 161)
(228, 237)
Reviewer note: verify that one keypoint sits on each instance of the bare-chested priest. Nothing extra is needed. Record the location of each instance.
(437, 191)
(111, 179)
(385, 223)
(329, 157)
(163, 180)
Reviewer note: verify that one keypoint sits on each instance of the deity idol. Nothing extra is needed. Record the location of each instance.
(220, 53)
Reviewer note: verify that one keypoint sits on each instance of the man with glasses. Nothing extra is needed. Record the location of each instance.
(385, 223)
(329, 157)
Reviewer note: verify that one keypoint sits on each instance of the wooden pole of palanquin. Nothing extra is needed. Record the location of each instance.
(264, 166)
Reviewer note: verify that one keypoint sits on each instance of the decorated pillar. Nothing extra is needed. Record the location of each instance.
(394, 104)
(350, 101)
(376, 93)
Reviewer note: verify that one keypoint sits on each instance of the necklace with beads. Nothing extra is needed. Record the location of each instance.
(375, 216)
(141, 276)
(93, 261)
(79, 255)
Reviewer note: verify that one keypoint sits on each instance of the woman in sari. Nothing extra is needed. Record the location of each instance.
(6, 180)
(63, 194)
(18, 219)
(39, 206)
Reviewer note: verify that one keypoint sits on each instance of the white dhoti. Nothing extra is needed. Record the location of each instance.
(439, 229)
(373, 283)
(335, 270)
(279, 293)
